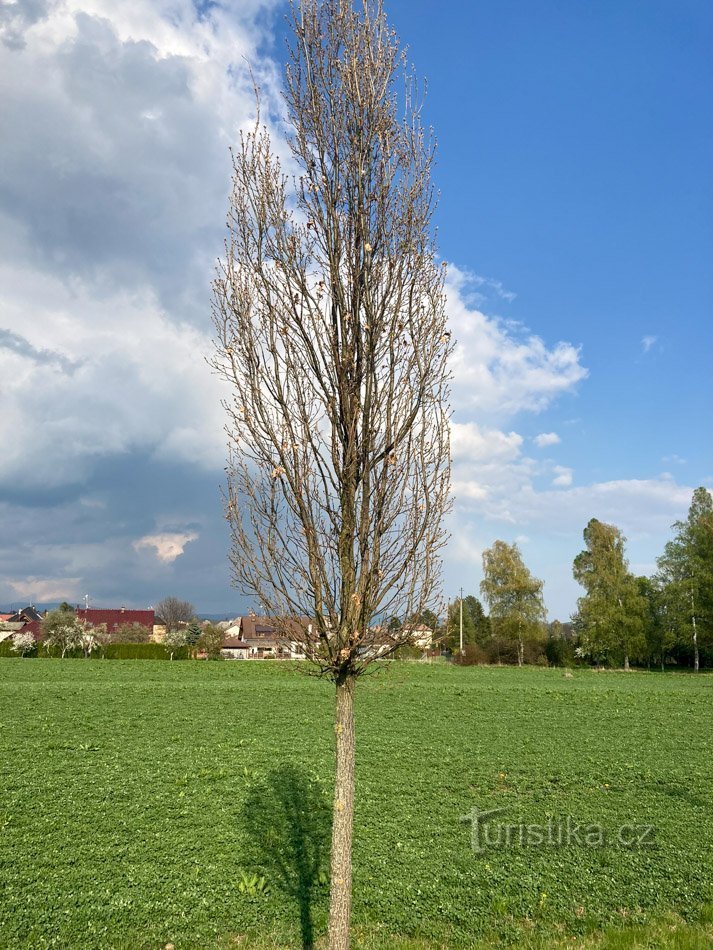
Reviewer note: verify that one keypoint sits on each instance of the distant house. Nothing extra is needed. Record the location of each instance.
(28, 614)
(265, 639)
(113, 618)
(7, 629)
(235, 649)
(27, 620)
(420, 636)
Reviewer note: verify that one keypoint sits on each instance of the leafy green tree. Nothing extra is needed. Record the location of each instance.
(610, 617)
(193, 635)
(559, 648)
(686, 575)
(658, 628)
(514, 596)
(476, 625)
(482, 631)
(211, 641)
(453, 626)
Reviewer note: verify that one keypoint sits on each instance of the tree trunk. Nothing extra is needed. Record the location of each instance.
(520, 652)
(696, 659)
(626, 662)
(340, 901)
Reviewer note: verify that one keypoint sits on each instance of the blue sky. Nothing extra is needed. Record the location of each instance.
(576, 142)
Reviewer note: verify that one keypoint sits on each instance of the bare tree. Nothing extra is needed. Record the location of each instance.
(174, 612)
(331, 330)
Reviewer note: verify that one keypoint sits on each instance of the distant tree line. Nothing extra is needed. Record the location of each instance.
(621, 619)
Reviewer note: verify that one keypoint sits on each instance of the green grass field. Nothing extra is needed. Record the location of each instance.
(142, 803)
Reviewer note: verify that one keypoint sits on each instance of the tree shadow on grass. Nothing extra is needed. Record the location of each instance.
(288, 823)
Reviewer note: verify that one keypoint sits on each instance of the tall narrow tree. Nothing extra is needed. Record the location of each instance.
(610, 617)
(513, 595)
(331, 332)
(686, 574)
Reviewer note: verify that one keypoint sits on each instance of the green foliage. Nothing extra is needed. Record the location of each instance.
(407, 652)
(686, 577)
(111, 651)
(193, 633)
(141, 651)
(130, 633)
(610, 617)
(473, 655)
(252, 885)
(514, 596)
(476, 625)
(137, 792)
(211, 641)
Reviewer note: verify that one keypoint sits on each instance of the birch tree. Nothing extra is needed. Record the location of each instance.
(331, 331)
(611, 615)
(686, 575)
(513, 594)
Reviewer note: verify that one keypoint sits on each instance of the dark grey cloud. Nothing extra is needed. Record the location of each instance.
(90, 537)
(114, 167)
(18, 344)
(17, 17)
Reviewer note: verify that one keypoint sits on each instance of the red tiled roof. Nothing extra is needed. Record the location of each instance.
(34, 627)
(232, 643)
(115, 618)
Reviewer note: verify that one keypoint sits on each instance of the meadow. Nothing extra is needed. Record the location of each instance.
(145, 803)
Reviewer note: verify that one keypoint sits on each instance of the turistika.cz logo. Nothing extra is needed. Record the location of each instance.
(565, 832)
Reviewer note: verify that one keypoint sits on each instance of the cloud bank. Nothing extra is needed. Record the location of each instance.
(113, 192)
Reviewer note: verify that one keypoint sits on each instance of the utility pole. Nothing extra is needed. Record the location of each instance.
(461, 621)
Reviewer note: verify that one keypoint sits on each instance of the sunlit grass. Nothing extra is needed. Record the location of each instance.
(136, 796)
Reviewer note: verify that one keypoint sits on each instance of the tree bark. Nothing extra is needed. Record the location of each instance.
(520, 652)
(340, 900)
(626, 661)
(696, 660)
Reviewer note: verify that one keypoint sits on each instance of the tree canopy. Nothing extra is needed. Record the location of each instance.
(513, 595)
(685, 574)
(610, 616)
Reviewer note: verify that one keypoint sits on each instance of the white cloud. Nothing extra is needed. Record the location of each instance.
(39, 590)
(168, 545)
(474, 443)
(499, 369)
(648, 342)
(546, 438)
(113, 191)
(141, 383)
(563, 476)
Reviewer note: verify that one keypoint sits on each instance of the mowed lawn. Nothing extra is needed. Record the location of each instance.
(143, 803)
